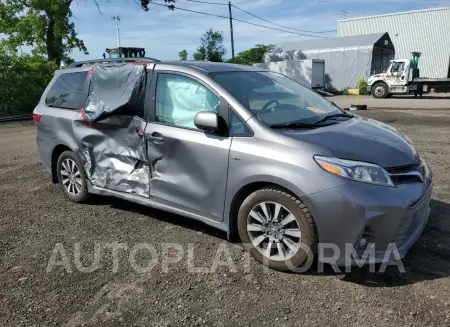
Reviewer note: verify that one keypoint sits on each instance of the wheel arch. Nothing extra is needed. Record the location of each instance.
(243, 192)
(57, 150)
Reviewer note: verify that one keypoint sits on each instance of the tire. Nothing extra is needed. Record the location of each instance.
(69, 164)
(380, 90)
(288, 204)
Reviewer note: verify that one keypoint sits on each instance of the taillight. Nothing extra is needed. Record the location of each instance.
(36, 118)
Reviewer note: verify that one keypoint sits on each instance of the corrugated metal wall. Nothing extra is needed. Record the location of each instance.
(426, 31)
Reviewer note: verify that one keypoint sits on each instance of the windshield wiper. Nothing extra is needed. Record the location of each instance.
(332, 117)
(316, 124)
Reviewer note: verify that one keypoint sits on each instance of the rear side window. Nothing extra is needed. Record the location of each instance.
(68, 91)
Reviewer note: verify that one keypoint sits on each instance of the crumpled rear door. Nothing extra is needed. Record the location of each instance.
(110, 130)
(114, 153)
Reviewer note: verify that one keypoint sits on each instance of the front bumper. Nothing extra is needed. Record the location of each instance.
(357, 219)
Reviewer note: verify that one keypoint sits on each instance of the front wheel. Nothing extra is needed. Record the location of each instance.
(380, 90)
(71, 177)
(277, 229)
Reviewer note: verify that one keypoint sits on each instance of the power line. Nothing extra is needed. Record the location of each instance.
(209, 3)
(263, 19)
(238, 20)
(268, 21)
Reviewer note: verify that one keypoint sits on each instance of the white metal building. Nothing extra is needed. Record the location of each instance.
(346, 58)
(426, 31)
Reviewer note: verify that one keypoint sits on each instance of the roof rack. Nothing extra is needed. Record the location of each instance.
(107, 61)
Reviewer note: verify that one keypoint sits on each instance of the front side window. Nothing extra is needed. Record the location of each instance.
(397, 67)
(180, 98)
(275, 98)
(68, 91)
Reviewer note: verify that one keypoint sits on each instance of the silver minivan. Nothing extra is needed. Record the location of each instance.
(245, 150)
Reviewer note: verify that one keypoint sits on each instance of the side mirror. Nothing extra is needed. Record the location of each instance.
(207, 121)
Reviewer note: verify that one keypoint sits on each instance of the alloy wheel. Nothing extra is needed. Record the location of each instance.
(379, 91)
(274, 231)
(71, 177)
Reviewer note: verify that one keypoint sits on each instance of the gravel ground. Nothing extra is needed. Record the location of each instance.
(34, 217)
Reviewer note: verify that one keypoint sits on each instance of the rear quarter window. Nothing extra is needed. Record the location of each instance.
(68, 91)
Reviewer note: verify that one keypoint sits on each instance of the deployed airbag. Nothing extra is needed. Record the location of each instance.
(178, 100)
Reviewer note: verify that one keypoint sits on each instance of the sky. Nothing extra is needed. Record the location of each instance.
(165, 33)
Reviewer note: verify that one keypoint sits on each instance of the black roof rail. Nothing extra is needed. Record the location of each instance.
(107, 61)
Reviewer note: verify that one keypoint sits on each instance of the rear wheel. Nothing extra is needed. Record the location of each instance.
(71, 177)
(380, 90)
(277, 229)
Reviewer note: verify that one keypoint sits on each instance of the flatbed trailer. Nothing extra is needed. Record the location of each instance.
(439, 85)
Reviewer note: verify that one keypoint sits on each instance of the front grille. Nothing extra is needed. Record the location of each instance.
(407, 174)
(400, 169)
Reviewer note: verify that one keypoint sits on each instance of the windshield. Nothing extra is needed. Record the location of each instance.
(275, 98)
(114, 54)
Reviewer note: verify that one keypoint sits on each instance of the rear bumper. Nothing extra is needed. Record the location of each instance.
(362, 223)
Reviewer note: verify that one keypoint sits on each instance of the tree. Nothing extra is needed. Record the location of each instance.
(183, 55)
(22, 81)
(211, 47)
(46, 25)
(252, 56)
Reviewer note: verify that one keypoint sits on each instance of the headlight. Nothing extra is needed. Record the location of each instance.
(356, 170)
(427, 170)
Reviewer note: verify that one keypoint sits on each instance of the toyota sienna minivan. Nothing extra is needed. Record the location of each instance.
(248, 151)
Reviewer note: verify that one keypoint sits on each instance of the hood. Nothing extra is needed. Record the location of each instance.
(379, 75)
(362, 140)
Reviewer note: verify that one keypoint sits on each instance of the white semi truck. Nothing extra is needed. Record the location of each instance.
(403, 77)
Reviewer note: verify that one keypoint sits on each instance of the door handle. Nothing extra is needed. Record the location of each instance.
(155, 138)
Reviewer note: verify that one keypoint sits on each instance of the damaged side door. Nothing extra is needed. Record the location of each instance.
(110, 130)
(188, 167)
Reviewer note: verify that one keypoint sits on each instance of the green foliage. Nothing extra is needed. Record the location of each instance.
(23, 79)
(145, 3)
(363, 87)
(252, 56)
(183, 55)
(43, 24)
(211, 47)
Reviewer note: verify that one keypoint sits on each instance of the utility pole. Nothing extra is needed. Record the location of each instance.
(117, 19)
(231, 29)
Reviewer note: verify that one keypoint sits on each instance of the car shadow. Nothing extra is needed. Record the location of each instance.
(161, 215)
(428, 259)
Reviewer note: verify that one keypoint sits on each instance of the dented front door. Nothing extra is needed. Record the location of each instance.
(188, 167)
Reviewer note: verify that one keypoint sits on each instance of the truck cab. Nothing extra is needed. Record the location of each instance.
(401, 77)
(124, 52)
(394, 80)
